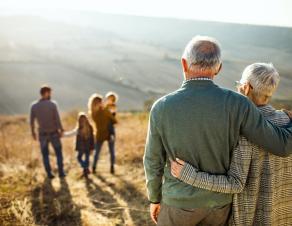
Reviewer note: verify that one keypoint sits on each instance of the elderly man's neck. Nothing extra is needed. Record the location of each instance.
(200, 74)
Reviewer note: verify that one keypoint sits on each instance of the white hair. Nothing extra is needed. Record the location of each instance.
(203, 51)
(263, 77)
(111, 93)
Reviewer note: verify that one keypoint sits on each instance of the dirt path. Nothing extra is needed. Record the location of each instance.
(102, 199)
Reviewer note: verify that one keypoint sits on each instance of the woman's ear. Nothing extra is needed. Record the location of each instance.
(246, 89)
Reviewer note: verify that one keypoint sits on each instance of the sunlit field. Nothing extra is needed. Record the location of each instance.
(27, 198)
(133, 48)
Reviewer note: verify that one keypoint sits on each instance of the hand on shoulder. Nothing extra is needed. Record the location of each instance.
(289, 113)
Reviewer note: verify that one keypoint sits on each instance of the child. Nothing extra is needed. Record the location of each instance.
(110, 104)
(84, 141)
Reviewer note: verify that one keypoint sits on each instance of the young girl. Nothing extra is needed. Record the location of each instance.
(84, 141)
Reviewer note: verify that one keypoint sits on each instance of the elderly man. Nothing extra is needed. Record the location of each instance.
(201, 123)
(250, 166)
(50, 129)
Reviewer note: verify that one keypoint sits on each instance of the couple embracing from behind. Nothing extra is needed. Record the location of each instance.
(216, 157)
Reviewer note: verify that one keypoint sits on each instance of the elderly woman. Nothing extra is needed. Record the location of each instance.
(261, 182)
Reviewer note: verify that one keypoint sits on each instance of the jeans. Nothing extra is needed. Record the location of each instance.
(112, 130)
(54, 139)
(84, 163)
(98, 146)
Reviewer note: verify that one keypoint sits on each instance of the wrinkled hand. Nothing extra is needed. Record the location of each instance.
(176, 167)
(289, 113)
(154, 211)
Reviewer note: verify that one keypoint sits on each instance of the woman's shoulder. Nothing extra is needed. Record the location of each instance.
(278, 117)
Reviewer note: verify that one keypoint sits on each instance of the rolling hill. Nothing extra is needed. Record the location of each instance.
(79, 53)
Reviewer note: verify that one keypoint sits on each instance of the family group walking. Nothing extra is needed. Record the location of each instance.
(217, 157)
(50, 130)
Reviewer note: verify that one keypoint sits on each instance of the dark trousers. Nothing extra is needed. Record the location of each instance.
(112, 130)
(84, 163)
(98, 146)
(171, 216)
(54, 139)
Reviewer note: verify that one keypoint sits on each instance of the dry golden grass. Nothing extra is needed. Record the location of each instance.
(27, 198)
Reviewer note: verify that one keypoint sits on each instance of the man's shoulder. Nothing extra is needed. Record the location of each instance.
(230, 92)
(234, 96)
(42, 103)
(53, 102)
(34, 103)
(164, 100)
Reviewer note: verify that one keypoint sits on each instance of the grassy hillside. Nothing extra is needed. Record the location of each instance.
(138, 57)
(27, 198)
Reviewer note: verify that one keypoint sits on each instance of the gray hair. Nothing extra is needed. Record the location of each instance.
(263, 77)
(203, 51)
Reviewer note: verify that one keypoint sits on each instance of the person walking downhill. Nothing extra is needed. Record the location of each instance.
(84, 142)
(111, 99)
(50, 129)
(102, 118)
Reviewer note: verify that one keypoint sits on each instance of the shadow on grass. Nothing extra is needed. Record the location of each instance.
(51, 207)
(137, 201)
(104, 202)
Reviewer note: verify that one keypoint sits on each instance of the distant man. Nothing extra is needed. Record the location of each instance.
(201, 123)
(50, 129)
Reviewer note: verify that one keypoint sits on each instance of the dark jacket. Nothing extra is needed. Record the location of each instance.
(84, 145)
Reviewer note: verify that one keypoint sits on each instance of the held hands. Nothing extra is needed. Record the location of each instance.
(176, 167)
(289, 113)
(154, 211)
(61, 132)
(34, 136)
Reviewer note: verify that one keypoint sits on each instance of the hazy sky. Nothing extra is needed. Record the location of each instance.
(268, 12)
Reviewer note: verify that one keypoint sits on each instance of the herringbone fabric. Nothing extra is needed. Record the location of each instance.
(261, 182)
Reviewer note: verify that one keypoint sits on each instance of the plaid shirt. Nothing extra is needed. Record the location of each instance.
(261, 182)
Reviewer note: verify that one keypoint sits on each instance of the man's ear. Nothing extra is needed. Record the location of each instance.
(219, 69)
(184, 64)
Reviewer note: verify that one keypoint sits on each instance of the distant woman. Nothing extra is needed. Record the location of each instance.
(103, 119)
(111, 100)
